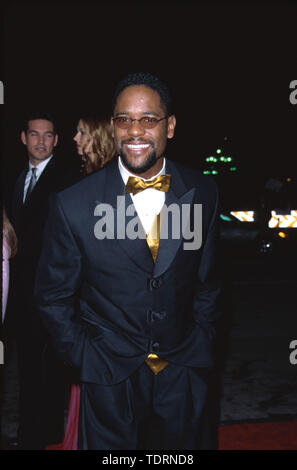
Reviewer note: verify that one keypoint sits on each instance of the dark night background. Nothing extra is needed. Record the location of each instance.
(229, 66)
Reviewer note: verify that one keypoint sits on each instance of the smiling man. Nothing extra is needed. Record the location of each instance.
(141, 140)
(142, 336)
(40, 373)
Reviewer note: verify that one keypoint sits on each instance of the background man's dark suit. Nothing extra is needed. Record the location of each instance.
(41, 374)
(129, 307)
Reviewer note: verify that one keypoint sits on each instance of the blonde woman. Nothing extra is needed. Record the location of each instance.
(9, 249)
(94, 143)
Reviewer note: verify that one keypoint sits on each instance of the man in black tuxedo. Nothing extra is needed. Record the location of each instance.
(142, 338)
(40, 373)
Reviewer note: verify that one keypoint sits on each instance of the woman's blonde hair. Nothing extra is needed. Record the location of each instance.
(103, 144)
(9, 232)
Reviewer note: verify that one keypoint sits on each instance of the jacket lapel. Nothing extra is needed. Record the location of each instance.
(41, 183)
(171, 239)
(125, 217)
(126, 220)
(17, 203)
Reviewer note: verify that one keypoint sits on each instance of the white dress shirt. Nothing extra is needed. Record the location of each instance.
(39, 169)
(149, 202)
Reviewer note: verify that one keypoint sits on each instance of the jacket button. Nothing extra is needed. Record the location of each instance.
(155, 283)
(158, 316)
(155, 346)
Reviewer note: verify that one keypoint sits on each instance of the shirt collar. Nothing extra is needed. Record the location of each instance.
(126, 173)
(41, 166)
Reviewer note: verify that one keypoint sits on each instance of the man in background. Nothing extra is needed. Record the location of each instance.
(41, 406)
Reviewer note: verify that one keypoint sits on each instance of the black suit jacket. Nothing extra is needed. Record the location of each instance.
(28, 221)
(129, 306)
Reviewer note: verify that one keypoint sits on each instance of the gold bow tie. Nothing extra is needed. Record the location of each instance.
(155, 363)
(135, 185)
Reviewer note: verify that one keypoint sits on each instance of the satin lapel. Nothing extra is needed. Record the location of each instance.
(169, 243)
(42, 181)
(126, 220)
(178, 194)
(18, 206)
(19, 188)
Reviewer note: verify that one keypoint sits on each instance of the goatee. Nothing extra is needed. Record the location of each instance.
(150, 161)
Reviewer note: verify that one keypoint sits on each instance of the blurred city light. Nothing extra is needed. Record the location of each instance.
(282, 234)
(276, 220)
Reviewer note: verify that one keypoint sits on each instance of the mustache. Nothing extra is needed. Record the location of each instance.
(137, 141)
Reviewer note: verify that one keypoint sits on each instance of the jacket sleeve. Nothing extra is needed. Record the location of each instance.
(208, 287)
(5, 272)
(58, 278)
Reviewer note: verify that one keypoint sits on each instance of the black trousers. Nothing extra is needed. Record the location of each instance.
(146, 411)
(42, 393)
(41, 373)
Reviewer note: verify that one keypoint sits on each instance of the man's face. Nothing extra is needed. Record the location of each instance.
(39, 139)
(141, 150)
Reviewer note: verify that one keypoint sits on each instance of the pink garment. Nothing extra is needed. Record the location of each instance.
(70, 439)
(5, 273)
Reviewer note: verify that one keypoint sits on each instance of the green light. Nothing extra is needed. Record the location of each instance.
(214, 172)
(229, 159)
(206, 172)
(219, 151)
(225, 217)
(233, 168)
(222, 159)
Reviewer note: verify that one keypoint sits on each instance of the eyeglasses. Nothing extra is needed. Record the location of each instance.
(146, 122)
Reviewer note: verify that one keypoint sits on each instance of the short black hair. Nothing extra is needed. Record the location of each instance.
(149, 80)
(39, 115)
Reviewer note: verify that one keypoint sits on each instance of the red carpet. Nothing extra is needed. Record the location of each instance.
(259, 436)
(252, 436)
